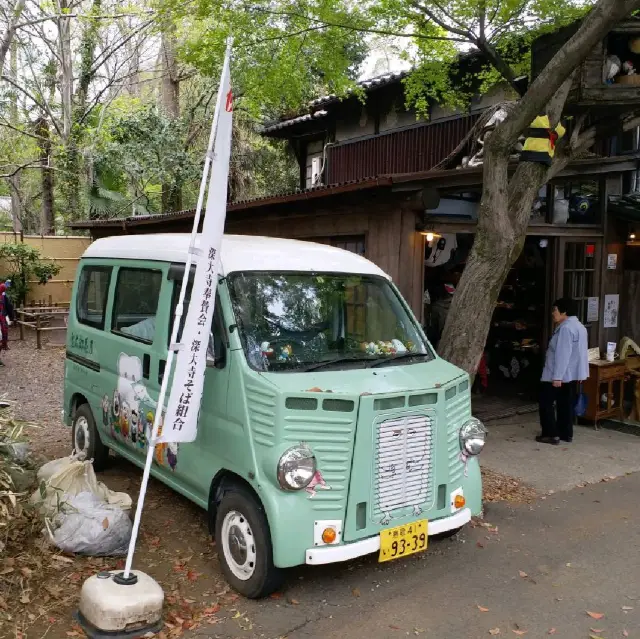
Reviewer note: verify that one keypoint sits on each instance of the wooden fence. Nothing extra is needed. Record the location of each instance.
(65, 251)
(43, 319)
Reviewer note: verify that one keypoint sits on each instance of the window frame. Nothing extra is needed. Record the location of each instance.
(218, 318)
(83, 289)
(115, 331)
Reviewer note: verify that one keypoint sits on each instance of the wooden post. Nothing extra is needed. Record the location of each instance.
(20, 324)
(38, 333)
(50, 300)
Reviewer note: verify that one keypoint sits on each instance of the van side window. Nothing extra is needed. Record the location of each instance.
(136, 303)
(91, 300)
(217, 326)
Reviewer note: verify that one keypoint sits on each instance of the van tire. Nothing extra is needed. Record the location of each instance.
(85, 438)
(240, 518)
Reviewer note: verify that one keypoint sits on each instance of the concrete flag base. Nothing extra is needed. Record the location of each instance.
(112, 606)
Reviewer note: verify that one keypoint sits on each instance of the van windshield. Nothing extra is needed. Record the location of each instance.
(315, 321)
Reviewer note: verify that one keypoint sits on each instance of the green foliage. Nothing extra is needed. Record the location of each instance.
(25, 263)
(143, 149)
(285, 53)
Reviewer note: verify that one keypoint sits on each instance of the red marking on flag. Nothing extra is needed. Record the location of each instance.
(229, 105)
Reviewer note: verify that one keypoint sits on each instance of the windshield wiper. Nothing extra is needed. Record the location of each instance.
(338, 360)
(393, 358)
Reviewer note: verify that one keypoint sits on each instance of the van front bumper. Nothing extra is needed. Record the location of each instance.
(334, 554)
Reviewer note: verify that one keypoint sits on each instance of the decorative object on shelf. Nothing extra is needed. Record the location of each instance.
(628, 68)
(612, 67)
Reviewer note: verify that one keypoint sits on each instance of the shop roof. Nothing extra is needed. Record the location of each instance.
(370, 84)
(441, 179)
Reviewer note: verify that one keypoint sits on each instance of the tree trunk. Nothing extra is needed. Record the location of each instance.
(7, 39)
(170, 98)
(47, 220)
(506, 204)
(14, 181)
(66, 88)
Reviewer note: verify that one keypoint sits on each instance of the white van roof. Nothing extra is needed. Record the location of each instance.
(239, 253)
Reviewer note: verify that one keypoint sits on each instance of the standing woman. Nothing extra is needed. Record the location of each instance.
(4, 327)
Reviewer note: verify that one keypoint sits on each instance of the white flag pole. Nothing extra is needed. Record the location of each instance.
(177, 316)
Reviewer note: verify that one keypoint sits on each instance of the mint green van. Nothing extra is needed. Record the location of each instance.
(329, 428)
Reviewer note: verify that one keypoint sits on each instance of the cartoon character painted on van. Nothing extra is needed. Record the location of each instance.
(130, 414)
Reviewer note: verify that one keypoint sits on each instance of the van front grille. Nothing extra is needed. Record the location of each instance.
(403, 465)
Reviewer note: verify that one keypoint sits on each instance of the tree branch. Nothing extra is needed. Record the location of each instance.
(32, 164)
(22, 131)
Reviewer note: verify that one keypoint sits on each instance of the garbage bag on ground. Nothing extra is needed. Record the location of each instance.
(67, 478)
(55, 465)
(86, 525)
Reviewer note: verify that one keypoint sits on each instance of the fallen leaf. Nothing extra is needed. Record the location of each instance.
(294, 602)
(595, 615)
(315, 389)
(595, 637)
(27, 572)
(54, 591)
(552, 631)
(356, 592)
(276, 595)
(25, 599)
(394, 628)
(627, 608)
(597, 630)
(211, 610)
(520, 633)
(494, 631)
(105, 523)
(625, 633)
(192, 575)
(72, 633)
(52, 620)
(480, 544)
(482, 609)
(523, 574)
(66, 560)
(6, 571)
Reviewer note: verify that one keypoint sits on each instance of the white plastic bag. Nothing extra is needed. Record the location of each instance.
(49, 469)
(86, 525)
(70, 478)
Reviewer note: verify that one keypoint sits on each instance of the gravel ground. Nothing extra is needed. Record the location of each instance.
(32, 380)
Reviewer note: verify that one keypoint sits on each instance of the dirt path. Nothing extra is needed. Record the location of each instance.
(39, 588)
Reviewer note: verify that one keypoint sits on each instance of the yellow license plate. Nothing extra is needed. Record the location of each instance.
(403, 540)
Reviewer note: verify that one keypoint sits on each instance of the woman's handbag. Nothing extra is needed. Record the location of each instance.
(581, 402)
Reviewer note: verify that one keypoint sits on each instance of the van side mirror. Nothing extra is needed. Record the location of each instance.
(216, 352)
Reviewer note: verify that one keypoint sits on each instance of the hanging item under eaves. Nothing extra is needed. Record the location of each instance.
(440, 250)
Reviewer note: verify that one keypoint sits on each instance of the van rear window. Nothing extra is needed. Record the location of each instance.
(136, 303)
(91, 301)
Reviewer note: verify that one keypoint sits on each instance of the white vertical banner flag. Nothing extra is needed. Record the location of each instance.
(180, 423)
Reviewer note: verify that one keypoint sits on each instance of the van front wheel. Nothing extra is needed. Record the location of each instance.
(86, 440)
(244, 545)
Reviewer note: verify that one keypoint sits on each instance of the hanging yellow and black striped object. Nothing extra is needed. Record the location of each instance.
(540, 141)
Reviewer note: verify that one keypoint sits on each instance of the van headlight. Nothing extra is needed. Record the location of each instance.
(296, 468)
(472, 436)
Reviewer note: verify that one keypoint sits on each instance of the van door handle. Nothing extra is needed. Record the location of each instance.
(161, 366)
(146, 365)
